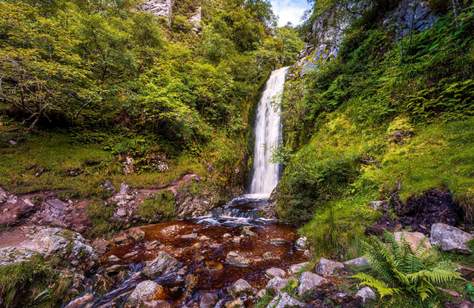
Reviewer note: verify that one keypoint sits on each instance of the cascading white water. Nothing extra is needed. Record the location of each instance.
(268, 135)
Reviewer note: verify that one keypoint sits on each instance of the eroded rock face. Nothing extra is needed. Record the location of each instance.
(327, 267)
(51, 242)
(162, 264)
(450, 238)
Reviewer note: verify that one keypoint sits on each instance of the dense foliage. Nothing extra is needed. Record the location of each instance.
(387, 117)
(122, 82)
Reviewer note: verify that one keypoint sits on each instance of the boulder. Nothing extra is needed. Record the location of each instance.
(416, 240)
(241, 287)
(275, 272)
(297, 268)
(450, 238)
(48, 242)
(276, 284)
(234, 258)
(366, 294)
(309, 282)
(327, 267)
(145, 291)
(161, 265)
(284, 300)
(357, 263)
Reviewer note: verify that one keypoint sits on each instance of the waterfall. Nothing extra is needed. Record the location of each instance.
(268, 135)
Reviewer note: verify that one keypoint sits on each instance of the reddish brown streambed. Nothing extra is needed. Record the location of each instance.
(203, 249)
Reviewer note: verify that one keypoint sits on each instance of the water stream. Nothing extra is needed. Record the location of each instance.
(203, 244)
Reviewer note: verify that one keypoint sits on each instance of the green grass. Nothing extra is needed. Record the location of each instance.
(46, 161)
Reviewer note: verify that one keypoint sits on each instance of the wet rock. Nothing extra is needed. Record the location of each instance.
(298, 268)
(357, 263)
(302, 243)
(156, 304)
(241, 287)
(414, 239)
(162, 264)
(450, 238)
(191, 236)
(275, 272)
(152, 245)
(366, 294)
(208, 300)
(276, 284)
(237, 303)
(130, 255)
(247, 231)
(327, 267)
(309, 282)
(145, 291)
(270, 256)
(101, 246)
(114, 269)
(136, 234)
(278, 242)
(81, 302)
(284, 300)
(234, 258)
(113, 258)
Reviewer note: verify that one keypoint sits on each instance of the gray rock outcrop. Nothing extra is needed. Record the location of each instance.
(450, 238)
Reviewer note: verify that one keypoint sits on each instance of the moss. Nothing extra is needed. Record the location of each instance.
(100, 216)
(158, 207)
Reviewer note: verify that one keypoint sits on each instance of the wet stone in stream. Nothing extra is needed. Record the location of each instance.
(211, 259)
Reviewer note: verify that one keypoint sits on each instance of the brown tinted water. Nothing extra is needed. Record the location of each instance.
(203, 250)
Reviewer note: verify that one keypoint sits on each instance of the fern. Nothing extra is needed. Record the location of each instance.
(399, 271)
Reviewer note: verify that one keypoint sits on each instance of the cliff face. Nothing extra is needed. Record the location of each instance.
(329, 28)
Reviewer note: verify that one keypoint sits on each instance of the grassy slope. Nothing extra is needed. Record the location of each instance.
(384, 113)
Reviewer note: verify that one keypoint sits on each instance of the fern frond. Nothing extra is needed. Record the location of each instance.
(380, 286)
